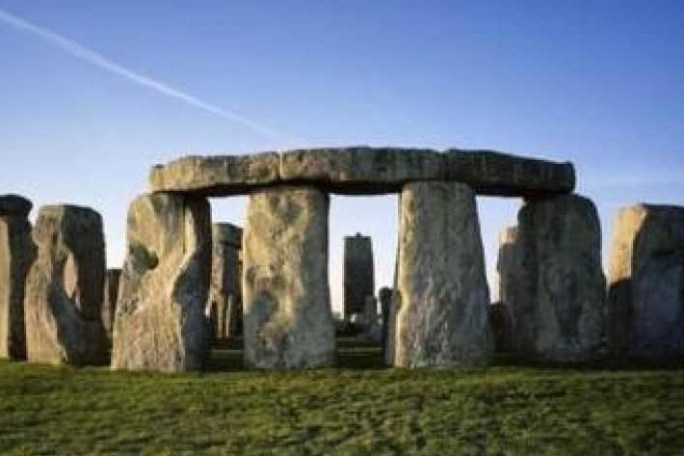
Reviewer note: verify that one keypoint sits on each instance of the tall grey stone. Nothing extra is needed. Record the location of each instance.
(359, 278)
(558, 308)
(443, 294)
(385, 298)
(646, 283)
(111, 293)
(288, 321)
(225, 294)
(503, 313)
(64, 288)
(160, 323)
(16, 255)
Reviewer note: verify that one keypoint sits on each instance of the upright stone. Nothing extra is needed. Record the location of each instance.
(160, 323)
(511, 303)
(443, 294)
(385, 298)
(64, 288)
(111, 293)
(359, 280)
(646, 283)
(16, 254)
(288, 321)
(559, 308)
(225, 294)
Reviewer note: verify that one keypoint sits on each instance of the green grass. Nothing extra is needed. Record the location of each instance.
(354, 411)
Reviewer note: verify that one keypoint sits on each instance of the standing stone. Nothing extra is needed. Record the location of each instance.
(64, 288)
(443, 294)
(288, 321)
(225, 294)
(359, 282)
(646, 277)
(370, 329)
(16, 254)
(385, 298)
(559, 305)
(111, 293)
(160, 323)
(511, 302)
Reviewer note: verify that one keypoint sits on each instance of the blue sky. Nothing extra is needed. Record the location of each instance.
(600, 83)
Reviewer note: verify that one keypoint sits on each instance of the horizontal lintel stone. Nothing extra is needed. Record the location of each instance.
(363, 171)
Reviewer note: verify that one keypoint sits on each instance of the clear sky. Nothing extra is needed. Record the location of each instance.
(103, 90)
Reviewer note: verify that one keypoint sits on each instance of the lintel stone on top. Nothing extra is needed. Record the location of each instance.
(363, 170)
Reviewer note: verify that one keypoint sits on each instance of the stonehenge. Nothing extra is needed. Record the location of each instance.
(59, 305)
(160, 323)
(646, 283)
(359, 279)
(225, 293)
(287, 316)
(16, 255)
(65, 287)
(442, 318)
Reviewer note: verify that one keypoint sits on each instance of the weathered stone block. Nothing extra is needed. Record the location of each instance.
(14, 205)
(559, 307)
(361, 170)
(496, 173)
(646, 283)
(160, 323)
(111, 294)
(359, 278)
(64, 288)
(288, 321)
(16, 255)
(216, 176)
(512, 301)
(225, 295)
(443, 294)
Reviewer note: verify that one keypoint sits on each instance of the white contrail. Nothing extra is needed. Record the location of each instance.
(94, 58)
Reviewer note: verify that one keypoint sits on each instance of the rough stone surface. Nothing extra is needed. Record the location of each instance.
(442, 317)
(288, 320)
(64, 288)
(111, 293)
(219, 175)
(361, 170)
(503, 313)
(160, 323)
(646, 283)
(14, 205)
(385, 298)
(225, 295)
(359, 278)
(559, 308)
(496, 173)
(16, 255)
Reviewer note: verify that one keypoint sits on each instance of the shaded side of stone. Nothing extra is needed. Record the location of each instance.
(64, 288)
(442, 317)
(160, 323)
(14, 206)
(225, 296)
(646, 283)
(359, 276)
(111, 294)
(17, 252)
(496, 173)
(559, 306)
(288, 320)
(512, 301)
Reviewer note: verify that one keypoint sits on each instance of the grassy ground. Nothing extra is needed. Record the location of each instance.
(358, 409)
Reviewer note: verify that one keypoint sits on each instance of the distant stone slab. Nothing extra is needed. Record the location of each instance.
(14, 205)
(499, 174)
(363, 171)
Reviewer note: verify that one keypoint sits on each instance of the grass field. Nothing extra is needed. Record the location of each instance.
(357, 409)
